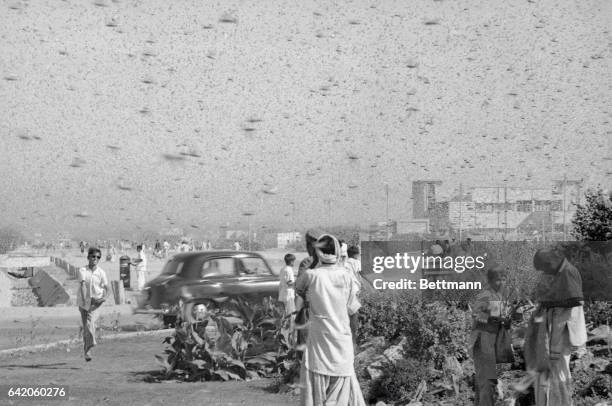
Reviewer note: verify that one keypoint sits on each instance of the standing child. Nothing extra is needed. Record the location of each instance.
(353, 264)
(487, 343)
(286, 290)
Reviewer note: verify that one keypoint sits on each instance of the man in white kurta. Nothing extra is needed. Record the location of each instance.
(328, 374)
(141, 267)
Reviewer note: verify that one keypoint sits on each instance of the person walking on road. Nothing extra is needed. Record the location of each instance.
(166, 246)
(93, 290)
(141, 267)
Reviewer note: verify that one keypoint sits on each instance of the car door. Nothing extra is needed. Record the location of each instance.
(255, 278)
(217, 279)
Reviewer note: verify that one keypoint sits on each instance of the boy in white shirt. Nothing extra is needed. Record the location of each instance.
(286, 290)
(92, 292)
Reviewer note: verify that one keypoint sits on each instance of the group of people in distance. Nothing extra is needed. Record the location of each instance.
(327, 286)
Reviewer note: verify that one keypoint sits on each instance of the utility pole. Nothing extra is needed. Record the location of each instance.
(292, 216)
(564, 206)
(460, 210)
(249, 234)
(505, 210)
(387, 211)
(552, 224)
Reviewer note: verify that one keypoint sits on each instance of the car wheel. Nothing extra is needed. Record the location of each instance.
(169, 320)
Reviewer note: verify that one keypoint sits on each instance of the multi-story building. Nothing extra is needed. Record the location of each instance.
(423, 197)
(288, 238)
(509, 209)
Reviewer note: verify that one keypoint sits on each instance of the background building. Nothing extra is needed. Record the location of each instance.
(289, 238)
(518, 211)
(423, 197)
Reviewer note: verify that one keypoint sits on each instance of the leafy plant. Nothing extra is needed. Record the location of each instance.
(402, 380)
(433, 330)
(252, 340)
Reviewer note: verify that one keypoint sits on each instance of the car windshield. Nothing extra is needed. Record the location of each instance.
(172, 267)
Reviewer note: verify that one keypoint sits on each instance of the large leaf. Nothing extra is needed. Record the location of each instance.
(239, 344)
(235, 362)
(267, 358)
(196, 337)
(226, 375)
(258, 362)
(237, 367)
(268, 321)
(198, 363)
(224, 343)
(246, 309)
(163, 362)
(224, 326)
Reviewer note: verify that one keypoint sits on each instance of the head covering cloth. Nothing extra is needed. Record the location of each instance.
(564, 286)
(321, 244)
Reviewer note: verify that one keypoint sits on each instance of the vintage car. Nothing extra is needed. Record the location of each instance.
(209, 278)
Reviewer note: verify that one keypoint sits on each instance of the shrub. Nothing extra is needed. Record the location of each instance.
(598, 313)
(383, 315)
(436, 331)
(402, 380)
(433, 330)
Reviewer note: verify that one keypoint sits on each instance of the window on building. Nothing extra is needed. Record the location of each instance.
(556, 205)
(523, 205)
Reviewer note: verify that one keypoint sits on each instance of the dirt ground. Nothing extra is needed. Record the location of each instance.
(33, 326)
(116, 376)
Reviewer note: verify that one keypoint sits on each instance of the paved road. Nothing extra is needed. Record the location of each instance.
(117, 376)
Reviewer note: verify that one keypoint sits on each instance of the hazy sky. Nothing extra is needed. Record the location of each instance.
(153, 114)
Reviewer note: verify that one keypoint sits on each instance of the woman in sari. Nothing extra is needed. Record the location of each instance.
(327, 374)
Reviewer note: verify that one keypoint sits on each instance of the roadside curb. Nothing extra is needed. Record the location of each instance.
(50, 346)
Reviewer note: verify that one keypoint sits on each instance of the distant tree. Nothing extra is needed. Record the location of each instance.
(10, 239)
(593, 220)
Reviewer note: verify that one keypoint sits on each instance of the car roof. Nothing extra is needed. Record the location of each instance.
(219, 253)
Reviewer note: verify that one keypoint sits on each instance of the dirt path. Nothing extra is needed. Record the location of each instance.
(117, 374)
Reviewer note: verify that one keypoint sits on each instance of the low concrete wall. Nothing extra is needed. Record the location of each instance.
(70, 269)
(21, 261)
(5, 289)
(50, 291)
